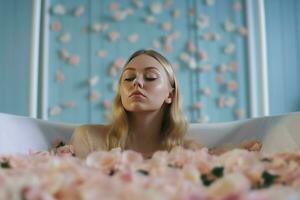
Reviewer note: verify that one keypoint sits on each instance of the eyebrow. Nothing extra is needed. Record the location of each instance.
(146, 68)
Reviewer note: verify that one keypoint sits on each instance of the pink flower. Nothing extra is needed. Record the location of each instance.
(113, 36)
(190, 46)
(66, 150)
(197, 105)
(166, 26)
(232, 85)
(56, 26)
(74, 59)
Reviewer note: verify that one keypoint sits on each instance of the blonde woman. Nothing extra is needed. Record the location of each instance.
(146, 111)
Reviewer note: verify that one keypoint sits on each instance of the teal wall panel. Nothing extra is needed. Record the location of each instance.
(282, 25)
(87, 43)
(15, 32)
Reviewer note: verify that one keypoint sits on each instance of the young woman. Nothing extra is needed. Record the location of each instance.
(146, 111)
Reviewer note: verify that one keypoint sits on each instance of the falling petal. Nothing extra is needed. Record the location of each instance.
(240, 113)
(229, 26)
(176, 13)
(243, 31)
(229, 48)
(113, 71)
(93, 80)
(138, 3)
(74, 60)
(221, 101)
(219, 78)
(133, 38)
(205, 67)
(210, 2)
(156, 44)
(102, 53)
(79, 11)
(206, 91)
(63, 54)
(237, 6)
(128, 11)
(156, 8)
(107, 104)
(56, 26)
(216, 36)
(85, 29)
(168, 3)
(184, 57)
(197, 105)
(119, 15)
(55, 110)
(94, 96)
(119, 63)
(65, 38)
(168, 48)
(113, 36)
(221, 68)
(58, 9)
(70, 104)
(168, 39)
(99, 27)
(202, 21)
(150, 19)
(202, 55)
(114, 6)
(203, 119)
(59, 76)
(233, 66)
(190, 46)
(175, 35)
(191, 12)
(232, 85)
(192, 64)
(207, 36)
(166, 26)
(230, 101)
(115, 86)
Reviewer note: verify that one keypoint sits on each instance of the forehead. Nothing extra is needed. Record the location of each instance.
(143, 62)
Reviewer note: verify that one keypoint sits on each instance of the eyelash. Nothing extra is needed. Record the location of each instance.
(148, 79)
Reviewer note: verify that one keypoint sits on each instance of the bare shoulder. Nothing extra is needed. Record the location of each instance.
(98, 130)
(190, 143)
(88, 138)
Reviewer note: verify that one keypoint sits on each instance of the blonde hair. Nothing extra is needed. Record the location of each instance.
(174, 125)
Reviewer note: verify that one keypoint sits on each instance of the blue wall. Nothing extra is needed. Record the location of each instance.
(283, 43)
(282, 23)
(75, 87)
(15, 30)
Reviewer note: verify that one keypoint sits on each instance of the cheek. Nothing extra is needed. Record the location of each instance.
(159, 90)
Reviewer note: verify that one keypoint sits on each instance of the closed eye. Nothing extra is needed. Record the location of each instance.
(129, 79)
(150, 79)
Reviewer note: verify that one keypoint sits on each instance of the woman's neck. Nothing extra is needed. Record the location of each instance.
(145, 131)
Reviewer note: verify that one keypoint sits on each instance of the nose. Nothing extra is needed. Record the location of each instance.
(138, 82)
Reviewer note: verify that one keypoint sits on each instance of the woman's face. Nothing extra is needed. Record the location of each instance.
(144, 85)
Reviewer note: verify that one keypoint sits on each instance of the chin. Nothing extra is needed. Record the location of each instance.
(140, 108)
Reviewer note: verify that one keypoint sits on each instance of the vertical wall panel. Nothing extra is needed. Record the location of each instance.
(15, 32)
(75, 84)
(282, 23)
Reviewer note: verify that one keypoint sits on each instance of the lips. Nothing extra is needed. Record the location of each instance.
(136, 93)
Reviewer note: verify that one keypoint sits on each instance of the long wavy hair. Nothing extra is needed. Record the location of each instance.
(174, 124)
